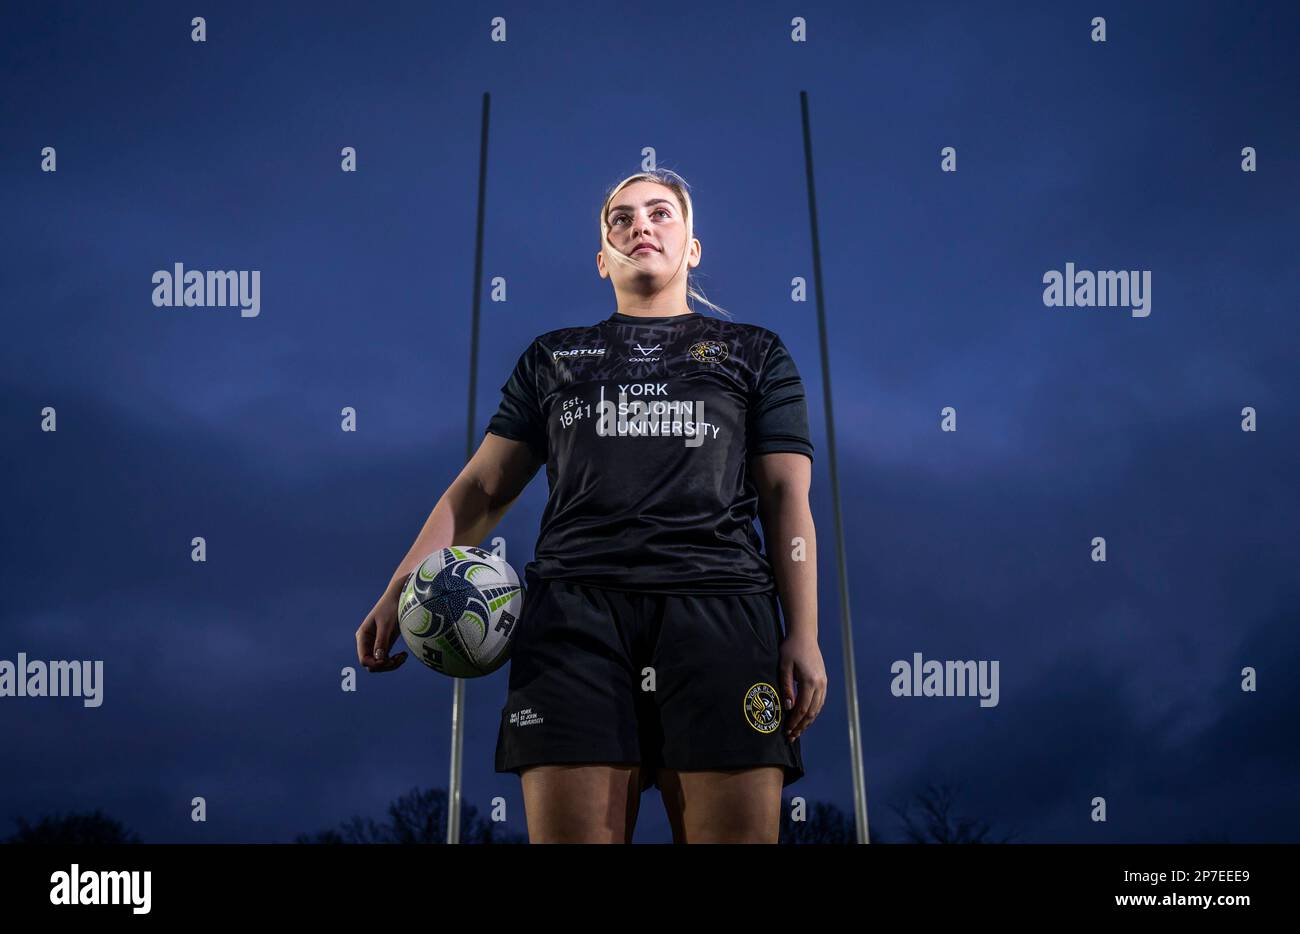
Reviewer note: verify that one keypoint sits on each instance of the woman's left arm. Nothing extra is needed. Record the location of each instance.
(783, 480)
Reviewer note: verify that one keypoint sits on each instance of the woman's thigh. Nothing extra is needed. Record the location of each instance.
(582, 803)
(738, 806)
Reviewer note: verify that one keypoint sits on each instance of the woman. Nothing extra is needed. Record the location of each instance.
(650, 648)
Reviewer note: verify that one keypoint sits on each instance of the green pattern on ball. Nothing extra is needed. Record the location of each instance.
(425, 623)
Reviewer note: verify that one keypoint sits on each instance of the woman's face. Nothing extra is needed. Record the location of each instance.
(646, 225)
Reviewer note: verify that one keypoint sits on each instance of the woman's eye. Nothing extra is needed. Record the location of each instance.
(619, 217)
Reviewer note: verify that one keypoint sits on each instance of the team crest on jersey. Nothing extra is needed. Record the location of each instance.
(763, 708)
(709, 351)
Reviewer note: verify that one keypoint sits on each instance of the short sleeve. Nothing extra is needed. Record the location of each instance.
(778, 411)
(519, 416)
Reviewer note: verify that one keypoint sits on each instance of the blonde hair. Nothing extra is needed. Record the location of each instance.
(671, 180)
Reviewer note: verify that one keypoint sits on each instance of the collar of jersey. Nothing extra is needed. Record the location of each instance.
(620, 318)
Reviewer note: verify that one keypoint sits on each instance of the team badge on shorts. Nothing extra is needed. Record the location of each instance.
(709, 351)
(763, 708)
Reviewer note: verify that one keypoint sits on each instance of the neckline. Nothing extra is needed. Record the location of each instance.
(620, 318)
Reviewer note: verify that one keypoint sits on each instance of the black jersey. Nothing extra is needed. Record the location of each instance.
(646, 426)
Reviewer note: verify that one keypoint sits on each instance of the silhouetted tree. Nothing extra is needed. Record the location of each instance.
(824, 822)
(929, 818)
(419, 816)
(75, 828)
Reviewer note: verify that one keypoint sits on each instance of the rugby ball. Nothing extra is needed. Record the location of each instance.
(458, 610)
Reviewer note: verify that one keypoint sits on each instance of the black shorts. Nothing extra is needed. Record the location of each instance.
(661, 680)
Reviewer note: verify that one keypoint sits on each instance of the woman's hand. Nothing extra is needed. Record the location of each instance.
(467, 512)
(378, 632)
(801, 662)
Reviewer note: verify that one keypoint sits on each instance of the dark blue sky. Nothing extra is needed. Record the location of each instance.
(222, 679)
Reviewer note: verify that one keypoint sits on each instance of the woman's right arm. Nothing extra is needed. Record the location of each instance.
(465, 514)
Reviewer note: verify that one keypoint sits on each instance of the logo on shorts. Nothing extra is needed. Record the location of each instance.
(709, 351)
(525, 717)
(763, 708)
